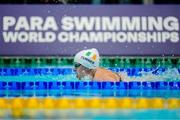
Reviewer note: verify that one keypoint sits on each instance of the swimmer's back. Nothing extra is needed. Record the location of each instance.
(106, 75)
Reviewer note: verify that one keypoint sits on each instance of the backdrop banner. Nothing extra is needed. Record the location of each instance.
(137, 30)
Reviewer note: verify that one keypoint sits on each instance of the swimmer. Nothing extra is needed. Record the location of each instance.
(86, 66)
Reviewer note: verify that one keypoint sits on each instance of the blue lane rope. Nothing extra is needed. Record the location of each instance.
(66, 71)
(44, 88)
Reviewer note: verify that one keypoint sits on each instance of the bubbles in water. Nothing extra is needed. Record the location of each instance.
(87, 78)
(171, 74)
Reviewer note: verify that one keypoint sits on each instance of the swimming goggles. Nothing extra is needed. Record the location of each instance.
(76, 65)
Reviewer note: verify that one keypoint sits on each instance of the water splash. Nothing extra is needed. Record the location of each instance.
(170, 74)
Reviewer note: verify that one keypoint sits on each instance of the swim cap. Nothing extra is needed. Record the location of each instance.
(88, 58)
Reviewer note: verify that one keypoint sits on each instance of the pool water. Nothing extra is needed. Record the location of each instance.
(55, 92)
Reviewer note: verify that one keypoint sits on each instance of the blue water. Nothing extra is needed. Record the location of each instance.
(137, 75)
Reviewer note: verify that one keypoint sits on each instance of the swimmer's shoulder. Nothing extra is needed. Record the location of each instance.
(108, 74)
(102, 69)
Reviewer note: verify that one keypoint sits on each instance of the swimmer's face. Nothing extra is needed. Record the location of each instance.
(80, 71)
